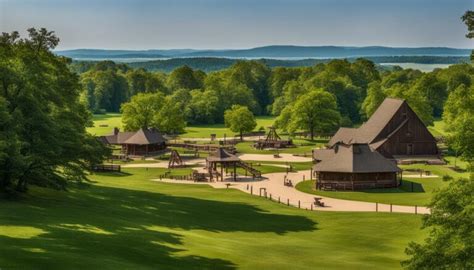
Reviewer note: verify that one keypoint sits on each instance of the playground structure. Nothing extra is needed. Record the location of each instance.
(175, 160)
(227, 161)
(273, 141)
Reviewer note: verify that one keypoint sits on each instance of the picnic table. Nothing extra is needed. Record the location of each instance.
(318, 202)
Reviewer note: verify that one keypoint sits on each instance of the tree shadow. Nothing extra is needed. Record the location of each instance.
(114, 228)
(406, 186)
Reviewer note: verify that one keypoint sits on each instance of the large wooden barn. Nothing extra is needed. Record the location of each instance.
(352, 167)
(393, 130)
(137, 143)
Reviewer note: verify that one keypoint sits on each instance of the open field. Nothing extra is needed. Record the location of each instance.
(108, 122)
(423, 188)
(128, 222)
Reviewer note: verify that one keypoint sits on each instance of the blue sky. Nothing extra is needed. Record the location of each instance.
(214, 24)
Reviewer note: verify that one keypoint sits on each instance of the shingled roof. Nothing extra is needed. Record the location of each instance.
(368, 132)
(353, 158)
(141, 137)
(220, 155)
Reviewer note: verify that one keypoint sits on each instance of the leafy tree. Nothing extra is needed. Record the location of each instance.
(203, 107)
(374, 98)
(170, 119)
(185, 78)
(240, 119)
(43, 139)
(141, 111)
(450, 244)
(459, 118)
(312, 112)
(468, 19)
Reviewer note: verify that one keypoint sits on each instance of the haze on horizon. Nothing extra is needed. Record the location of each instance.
(231, 24)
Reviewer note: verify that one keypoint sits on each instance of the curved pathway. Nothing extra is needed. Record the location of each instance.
(273, 185)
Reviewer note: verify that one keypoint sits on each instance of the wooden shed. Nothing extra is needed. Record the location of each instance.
(352, 167)
(393, 130)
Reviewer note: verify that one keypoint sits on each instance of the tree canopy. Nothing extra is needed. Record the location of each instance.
(313, 112)
(450, 244)
(43, 140)
(240, 119)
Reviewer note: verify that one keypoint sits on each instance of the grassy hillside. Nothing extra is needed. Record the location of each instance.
(128, 222)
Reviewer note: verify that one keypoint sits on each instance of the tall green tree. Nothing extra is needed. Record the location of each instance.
(240, 119)
(374, 98)
(43, 139)
(468, 19)
(312, 112)
(450, 244)
(141, 111)
(459, 118)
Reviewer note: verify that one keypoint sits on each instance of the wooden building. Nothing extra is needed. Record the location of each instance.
(393, 130)
(137, 143)
(352, 167)
(227, 161)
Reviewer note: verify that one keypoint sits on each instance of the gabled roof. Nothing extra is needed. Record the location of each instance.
(220, 155)
(353, 158)
(369, 131)
(145, 136)
(140, 137)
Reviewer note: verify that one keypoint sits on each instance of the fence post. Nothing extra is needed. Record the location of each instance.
(251, 190)
(311, 207)
(288, 202)
(299, 204)
(416, 209)
(376, 207)
(390, 208)
(247, 186)
(270, 196)
(278, 199)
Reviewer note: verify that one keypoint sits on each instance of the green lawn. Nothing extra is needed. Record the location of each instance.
(128, 222)
(205, 131)
(108, 122)
(423, 187)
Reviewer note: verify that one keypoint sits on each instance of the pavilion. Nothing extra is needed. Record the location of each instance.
(138, 143)
(226, 160)
(353, 166)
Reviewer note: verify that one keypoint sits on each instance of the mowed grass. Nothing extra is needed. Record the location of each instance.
(105, 123)
(423, 188)
(129, 222)
(205, 131)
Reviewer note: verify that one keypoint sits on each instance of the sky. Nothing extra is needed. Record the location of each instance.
(227, 24)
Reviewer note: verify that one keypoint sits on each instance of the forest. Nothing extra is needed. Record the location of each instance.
(358, 87)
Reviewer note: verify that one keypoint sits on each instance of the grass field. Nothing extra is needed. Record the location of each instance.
(105, 123)
(111, 120)
(128, 222)
(423, 188)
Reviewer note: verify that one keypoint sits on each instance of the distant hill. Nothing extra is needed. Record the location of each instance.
(276, 51)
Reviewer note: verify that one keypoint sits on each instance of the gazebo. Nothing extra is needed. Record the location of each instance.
(225, 160)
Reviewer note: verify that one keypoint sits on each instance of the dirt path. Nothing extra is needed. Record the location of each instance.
(273, 186)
